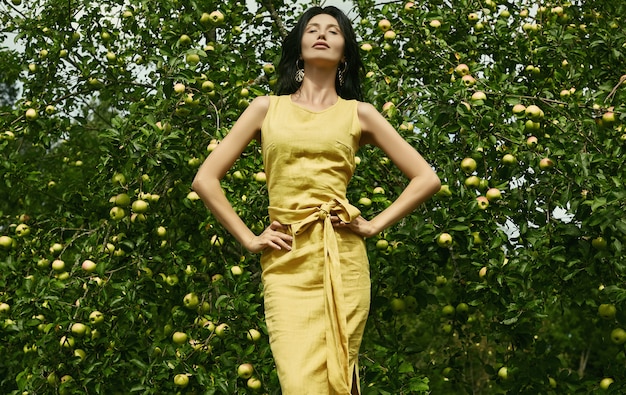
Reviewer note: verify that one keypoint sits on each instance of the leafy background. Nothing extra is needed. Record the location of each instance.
(520, 286)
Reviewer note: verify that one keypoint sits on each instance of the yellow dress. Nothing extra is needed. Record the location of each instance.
(317, 295)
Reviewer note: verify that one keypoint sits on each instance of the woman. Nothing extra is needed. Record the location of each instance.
(315, 269)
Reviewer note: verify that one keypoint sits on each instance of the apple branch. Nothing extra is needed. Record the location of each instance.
(609, 97)
(277, 19)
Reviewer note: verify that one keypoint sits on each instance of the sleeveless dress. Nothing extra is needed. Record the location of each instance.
(317, 295)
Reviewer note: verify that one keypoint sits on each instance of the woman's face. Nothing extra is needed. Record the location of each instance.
(323, 42)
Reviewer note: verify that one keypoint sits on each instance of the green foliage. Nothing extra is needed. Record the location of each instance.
(519, 287)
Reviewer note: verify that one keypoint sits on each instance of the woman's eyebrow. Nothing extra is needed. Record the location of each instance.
(318, 25)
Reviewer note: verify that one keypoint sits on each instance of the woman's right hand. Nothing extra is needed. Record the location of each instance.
(273, 236)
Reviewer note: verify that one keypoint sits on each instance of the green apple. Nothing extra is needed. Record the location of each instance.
(607, 311)
(472, 182)
(444, 240)
(179, 337)
(378, 191)
(482, 202)
(532, 141)
(181, 380)
(468, 81)
(31, 114)
(56, 248)
(193, 59)
(435, 23)
(184, 40)
(493, 194)
(546, 163)
(482, 273)
(365, 202)
(260, 177)
(96, 317)
(618, 336)
(216, 17)
(534, 113)
(140, 206)
(253, 335)
(476, 238)
(254, 383)
(80, 354)
(222, 330)
(191, 300)
(397, 305)
(389, 35)
(6, 242)
(444, 191)
(382, 244)
(245, 370)
(217, 241)
(236, 270)
(605, 383)
(441, 281)
(268, 68)
(121, 200)
(608, 118)
(118, 178)
(22, 230)
(503, 373)
(4, 308)
(367, 47)
(462, 69)
(599, 243)
(88, 265)
(478, 96)
(117, 213)
(179, 88)
(209, 86)
(468, 165)
(532, 126)
(384, 25)
(205, 18)
(448, 311)
(509, 159)
(67, 342)
(161, 231)
(111, 57)
(79, 329)
(58, 265)
(519, 109)
(171, 280)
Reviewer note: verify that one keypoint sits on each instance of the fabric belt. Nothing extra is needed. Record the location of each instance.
(335, 317)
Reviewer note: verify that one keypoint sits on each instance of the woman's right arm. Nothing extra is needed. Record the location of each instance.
(207, 181)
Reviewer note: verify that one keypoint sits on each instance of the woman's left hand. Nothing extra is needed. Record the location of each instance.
(359, 225)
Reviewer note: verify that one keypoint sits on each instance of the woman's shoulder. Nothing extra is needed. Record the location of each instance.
(366, 110)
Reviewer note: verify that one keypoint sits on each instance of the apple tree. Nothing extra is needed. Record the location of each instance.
(114, 278)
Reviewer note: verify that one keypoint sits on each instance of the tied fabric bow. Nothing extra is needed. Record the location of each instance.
(335, 318)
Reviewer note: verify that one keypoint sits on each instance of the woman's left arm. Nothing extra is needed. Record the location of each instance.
(423, 180)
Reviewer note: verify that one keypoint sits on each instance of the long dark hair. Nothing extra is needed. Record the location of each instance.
(351, 88)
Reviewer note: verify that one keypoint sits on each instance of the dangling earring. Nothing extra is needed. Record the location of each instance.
(342, 73)
(299, 71)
